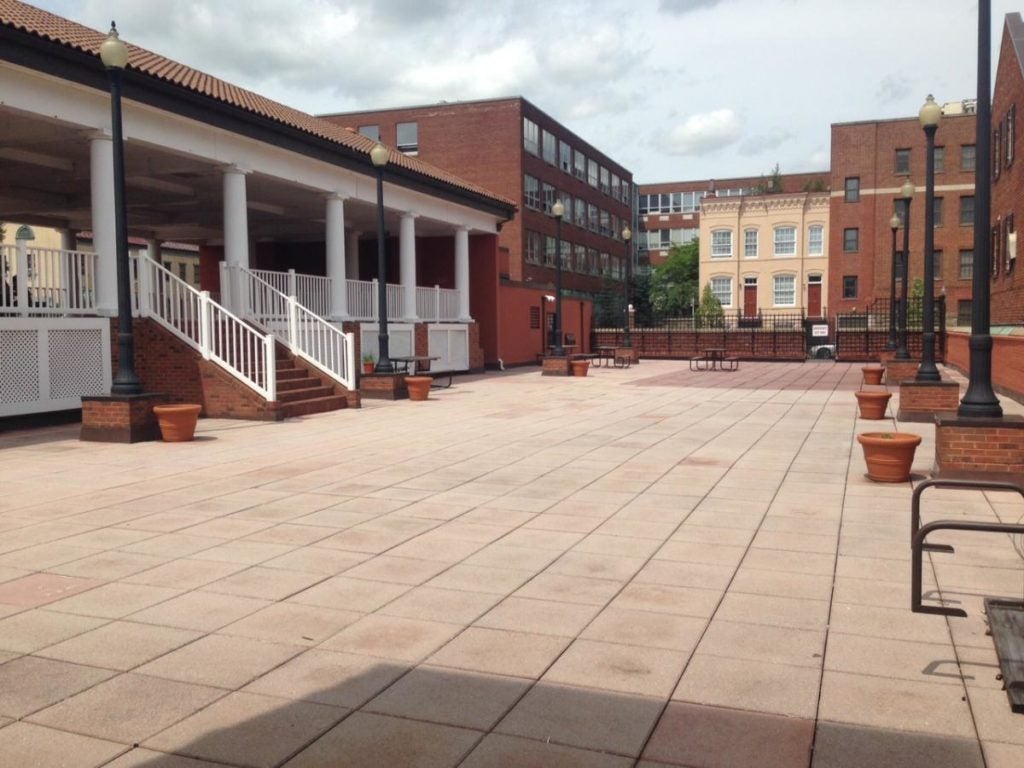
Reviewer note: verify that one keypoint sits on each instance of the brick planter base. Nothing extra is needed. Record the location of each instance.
(383, 386)
(979, 444)
(120, 418)
(898, 371)
(921, 400)
(555, 366)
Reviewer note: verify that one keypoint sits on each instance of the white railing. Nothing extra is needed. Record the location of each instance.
(396, 301)
(311, 291)
(362, 300)
(307, 334)
(46, 281)
(437, 304)
(200, 322)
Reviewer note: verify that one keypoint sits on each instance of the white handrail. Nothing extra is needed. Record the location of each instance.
(46, 281)
(437, 304)
(307, 334)
(205, 325)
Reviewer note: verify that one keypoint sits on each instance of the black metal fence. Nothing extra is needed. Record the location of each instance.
(863, 335)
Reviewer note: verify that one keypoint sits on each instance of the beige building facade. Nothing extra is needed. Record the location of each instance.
(766, 253)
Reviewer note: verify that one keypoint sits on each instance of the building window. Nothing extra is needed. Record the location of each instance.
(850, 287)
(785, 241)
(902, 161)
(940, 159)
(852, 189)
(579, 165)
(616, 186)
(967, 211)
(548, 196)
(183, 271)
(1011, 118)
(549, 147)
(593, 218)
(581, 258)
(901, 266)
(967, 157)
(721, 244)
(407, 137)
(996, 146)
(785, 291)
(605, 227)
(531, 136)
(606, 184)
(370, 131)
(531, 192)
(625, 192)
(592, 173)
(549, 251)
(963, 312)
(937, 212)
(565, 157)
(1009, 243)
(580, 213)
(966, 264)
(851, 240)
(996, 230)
(533, 247)
(593, 262)
(816, 240)
(721, 287)
(937, 264)
(750, 243)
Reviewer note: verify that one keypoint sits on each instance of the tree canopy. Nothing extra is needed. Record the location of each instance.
(675, 283)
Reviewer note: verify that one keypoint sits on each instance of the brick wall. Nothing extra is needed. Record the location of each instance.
(1007, 361)
(920, 401)
(787, 345)
(980, 445)
(476, 351)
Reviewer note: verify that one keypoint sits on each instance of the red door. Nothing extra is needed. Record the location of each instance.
(750, 300)
(814, 299)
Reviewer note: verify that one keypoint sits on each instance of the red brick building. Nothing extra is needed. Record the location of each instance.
(669, 212)
(513, 148)
(871, 160)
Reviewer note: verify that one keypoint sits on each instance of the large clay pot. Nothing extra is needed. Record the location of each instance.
(418, 386)
(579, 367)
(177, 422)
(889, 455)
(368, 367)
(872, 404)
(872, 374)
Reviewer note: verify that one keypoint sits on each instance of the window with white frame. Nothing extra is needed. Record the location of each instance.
(721, 287)
(549, 251)
(616, 186)
(750, 243)
(785, 241)
(593, 218)
(580, 213)
(625, 191)
(684, 236)
(592, 173)
(605, 222)
(565, 157)
(531, 136)
(721, 244)
(784, 294)
(407, 137)
(548, 196)
(605, 180)
(593, 262)
(531, 192)
(370, 131)
(816, 240)
(579, 165)
(533, 247)
(549, 147)
(581, 258)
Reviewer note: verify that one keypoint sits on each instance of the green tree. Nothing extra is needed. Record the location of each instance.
(709, 313)
(770, 185)
(640, 298)
(674, 284)
(915, 303)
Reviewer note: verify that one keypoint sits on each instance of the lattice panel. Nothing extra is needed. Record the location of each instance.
(19, 366)
(76, 363)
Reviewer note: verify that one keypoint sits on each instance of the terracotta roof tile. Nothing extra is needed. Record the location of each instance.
(48, 26)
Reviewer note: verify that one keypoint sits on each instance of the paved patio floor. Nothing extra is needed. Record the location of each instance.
(644, 567)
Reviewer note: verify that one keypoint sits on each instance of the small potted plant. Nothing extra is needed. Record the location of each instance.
(889, 455)
(872, 403)
(872, 374)
(368, 363)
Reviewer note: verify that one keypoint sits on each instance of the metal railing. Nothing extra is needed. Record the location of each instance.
(46, 281)
(205, 325)
(863, 335)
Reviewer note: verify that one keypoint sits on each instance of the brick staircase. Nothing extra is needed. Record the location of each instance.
(301, 391)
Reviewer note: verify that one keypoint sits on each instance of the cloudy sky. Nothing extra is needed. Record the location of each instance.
(672, 89)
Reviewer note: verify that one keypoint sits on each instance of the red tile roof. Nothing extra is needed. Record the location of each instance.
(57, 29)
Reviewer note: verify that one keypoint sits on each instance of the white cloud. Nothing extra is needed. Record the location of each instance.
(765, 142)
(702, 133)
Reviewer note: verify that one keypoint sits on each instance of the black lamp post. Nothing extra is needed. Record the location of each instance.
(114, 55)
(906, 195)
(558, 211)
(929, 116)
(890, 344)
(980, 399)
(379, 157)
(627, 236)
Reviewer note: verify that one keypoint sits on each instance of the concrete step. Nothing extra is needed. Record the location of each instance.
(304, 382)
(286, 374)
(306, 393)
(313, 405)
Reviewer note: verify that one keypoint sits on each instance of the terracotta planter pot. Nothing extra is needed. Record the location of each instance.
(177, 422)
(872, 374)
(368, 367)
(418, 386)
(872, 404)
(889, 455)
(579, 367)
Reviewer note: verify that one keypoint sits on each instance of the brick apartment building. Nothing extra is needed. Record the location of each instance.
(511, 147)
(669, 212)
(871, 160)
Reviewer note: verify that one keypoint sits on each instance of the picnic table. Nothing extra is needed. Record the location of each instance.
(714, 359)
(420, 364)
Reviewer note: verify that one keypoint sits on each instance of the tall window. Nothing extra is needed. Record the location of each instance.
(785, 290)
(852, 193)
(592, 173)
(616, 186)
(531, 192)
(940, 159)
(996, 147)
(816, 240)
(549, 251)
(579, 165)
(549, 147)
(750, 243)
(966, 264)
(937, 264)
(580, 252)
(967, 157)
(785, 241)
(625, 191)
(533, 247)
(849, 286)
(593, 219)
(1011, 118)
(370, 131)
(721, 244)
(606, 185)
(721, 287)
(902, 161)
(531, 136)
(851, 240)
(937, 212)
(580, 213)
(967, 211)
(565, 157)
(548, 193)
(407, 137)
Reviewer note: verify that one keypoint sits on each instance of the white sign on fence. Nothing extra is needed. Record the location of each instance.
(819, 330)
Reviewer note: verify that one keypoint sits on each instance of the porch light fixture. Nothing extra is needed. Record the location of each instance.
(907, 196)
(890, 344)
(558, 211)
(627, 237)
(929, 116)
(379, 157)
(114, 55)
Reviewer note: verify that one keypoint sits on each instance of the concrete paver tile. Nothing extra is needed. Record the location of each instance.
(108, 566)
(499, 751)
(396, 570)
(646, 628)
(29, 631)
(372, 741)
(243, 728)
(598, 566)
(679, 574)
(43, 588)
(24, 745)
(795, 562)
(754, 581)
(625, 668)
(205, 611)
(774, 611)
(893, 623)
(219, 660)
(542, 617)
(570, 589)
(328, 562)
(264, 583)
(28, 684)
(662, 598)
(392, 637)
(618, 546)
(120, 645)
(996, 721)
(453, 606)
(905, 659)
(114, 601)
(292, 623)
(128, 708)
(501, 555)
(701, 553)
(777, 645)
(500, 652)
(173, 545)
(838, 745)
(348, 594)
(999, 755)
(147, 758)
(185, 573)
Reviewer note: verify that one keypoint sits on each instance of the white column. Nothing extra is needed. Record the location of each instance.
(352, 254)
(236, 236)
(462, 271)
(407, 263)
(153, 250)
(335, 245)
(104, 237)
